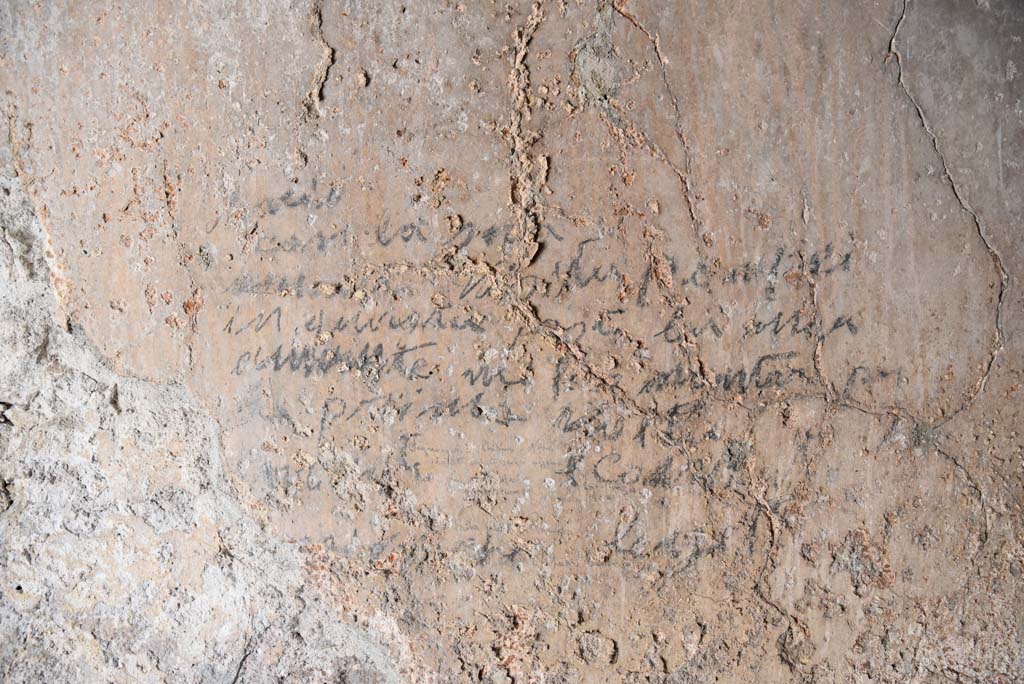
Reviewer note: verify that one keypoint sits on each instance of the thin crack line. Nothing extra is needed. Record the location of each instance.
(972, 482)
(1000, 336)
(687, 172)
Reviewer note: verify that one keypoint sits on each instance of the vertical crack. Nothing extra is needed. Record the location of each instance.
(999, 335)
(686, 173)
(973, 484)
(241, 663)
(522, 181)
(819, 332)
(327, 59)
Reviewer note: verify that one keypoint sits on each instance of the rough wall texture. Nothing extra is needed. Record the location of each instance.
(657, 341)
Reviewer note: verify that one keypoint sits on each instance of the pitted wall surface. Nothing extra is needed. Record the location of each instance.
(649, 341)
